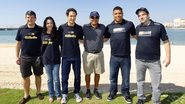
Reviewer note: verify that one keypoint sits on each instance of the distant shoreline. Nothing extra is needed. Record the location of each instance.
(175, 28)
(5, 29)
(176, 36)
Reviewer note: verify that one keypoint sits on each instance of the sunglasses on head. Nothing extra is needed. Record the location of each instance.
(94, 17)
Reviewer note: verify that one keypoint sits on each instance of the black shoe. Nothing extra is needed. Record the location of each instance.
(97, 94)
(88, 94)
(24, 100)
(40, 96)
(110, 97)
(140, 101)
(127, 99)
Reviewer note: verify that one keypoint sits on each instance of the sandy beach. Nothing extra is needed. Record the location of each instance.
(172, 80)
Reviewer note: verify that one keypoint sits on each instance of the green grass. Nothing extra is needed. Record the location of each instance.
(12, 96)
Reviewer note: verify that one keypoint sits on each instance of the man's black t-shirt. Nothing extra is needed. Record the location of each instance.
(119, 35)
(148, 41)
(69, 38)
(30, 40)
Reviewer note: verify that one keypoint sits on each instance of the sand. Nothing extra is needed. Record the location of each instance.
(172, 80)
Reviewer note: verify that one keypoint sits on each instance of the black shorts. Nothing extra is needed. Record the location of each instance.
(26, 64)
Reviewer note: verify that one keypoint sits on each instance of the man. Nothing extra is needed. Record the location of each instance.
(70, 33)
(93, 57)
(149, 34)
(28, 45)
(119, 32)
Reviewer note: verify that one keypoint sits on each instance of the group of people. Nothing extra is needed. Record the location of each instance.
(61, 46)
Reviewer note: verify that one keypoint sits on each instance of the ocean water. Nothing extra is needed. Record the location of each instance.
(176, 36)
(7, 36)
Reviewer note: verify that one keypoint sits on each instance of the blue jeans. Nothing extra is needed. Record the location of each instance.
(52, 72)
(125, 65)
(66, 67)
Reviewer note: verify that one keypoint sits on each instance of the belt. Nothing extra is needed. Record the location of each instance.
(148, 60)
(94, 52)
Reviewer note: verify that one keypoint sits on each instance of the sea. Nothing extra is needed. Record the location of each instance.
(176, 36)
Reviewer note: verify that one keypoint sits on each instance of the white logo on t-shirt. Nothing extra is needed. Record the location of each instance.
(145, 33)
(118, 30)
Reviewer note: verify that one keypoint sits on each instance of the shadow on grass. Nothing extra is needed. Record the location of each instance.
(44, 93)
(165, 87)
(176, 98)
(170, 92)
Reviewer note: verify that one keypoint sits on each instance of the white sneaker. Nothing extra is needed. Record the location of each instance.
(78, 98)
(64, 99)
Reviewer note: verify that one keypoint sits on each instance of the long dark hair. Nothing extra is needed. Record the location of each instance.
(54, 35)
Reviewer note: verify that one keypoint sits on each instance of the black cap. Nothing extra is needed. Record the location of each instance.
(94, 14)
(142, 9)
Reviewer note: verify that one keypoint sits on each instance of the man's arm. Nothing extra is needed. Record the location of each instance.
(17, 51)
(168, 52)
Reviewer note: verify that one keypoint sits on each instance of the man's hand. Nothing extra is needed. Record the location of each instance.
(168, 52)
(18, 61)
(166, 62)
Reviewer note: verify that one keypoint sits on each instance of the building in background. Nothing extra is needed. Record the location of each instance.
(177, 23)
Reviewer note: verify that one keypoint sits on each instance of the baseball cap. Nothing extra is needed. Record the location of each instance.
(142, 9)
(94, 14)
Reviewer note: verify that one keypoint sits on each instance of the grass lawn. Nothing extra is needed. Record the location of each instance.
(12, 96)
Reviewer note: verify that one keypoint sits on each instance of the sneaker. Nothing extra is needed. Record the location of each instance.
(40, 96)
(110, 97)
(127, 99)
(88, 94)
(24, 100)
(97, 94)
(64, 99)
(140, 101)
(78, 98)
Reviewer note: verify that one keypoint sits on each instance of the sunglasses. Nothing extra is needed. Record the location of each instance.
(92, 17)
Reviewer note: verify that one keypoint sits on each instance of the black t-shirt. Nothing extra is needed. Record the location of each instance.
(69, 38)
(148, 41)
(119, 35)
(50, 50)
(30, 40)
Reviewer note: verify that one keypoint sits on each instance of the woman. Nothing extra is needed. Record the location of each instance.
(51, 57)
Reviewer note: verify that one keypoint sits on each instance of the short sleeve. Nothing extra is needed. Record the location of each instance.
(107, 33)
(60, 35)
(132, 29)
(163, 34)
(18, 36)
(81, 33)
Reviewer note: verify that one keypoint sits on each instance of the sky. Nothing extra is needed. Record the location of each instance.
(12, 12)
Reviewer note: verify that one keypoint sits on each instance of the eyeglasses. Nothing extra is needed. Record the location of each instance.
(92, 17)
